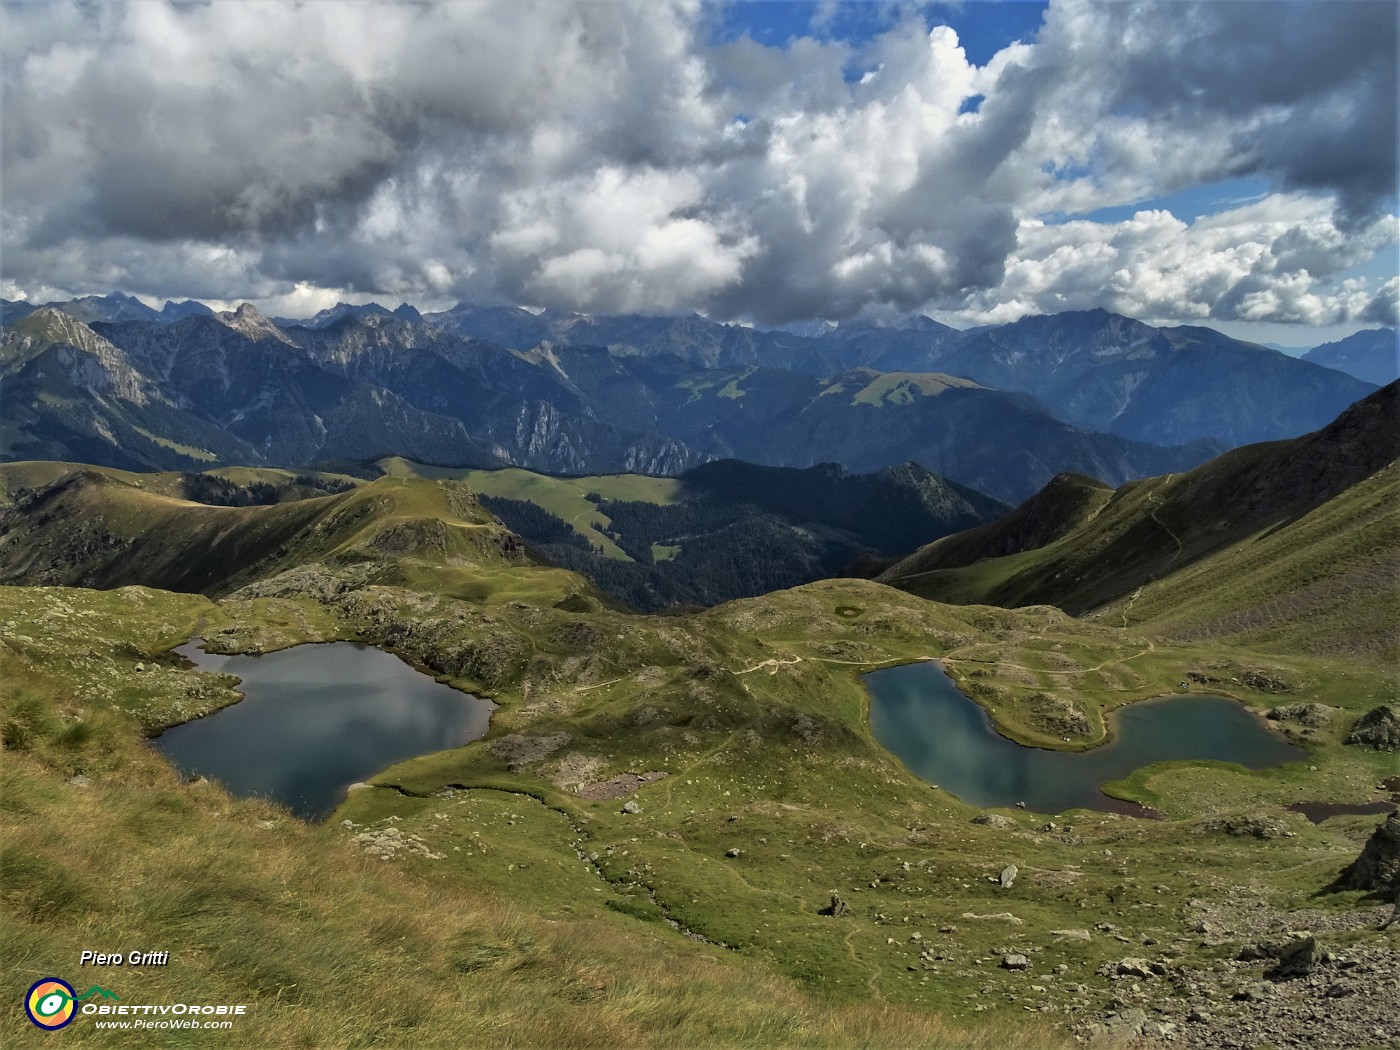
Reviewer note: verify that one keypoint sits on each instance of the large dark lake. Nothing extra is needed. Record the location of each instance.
(944, 737)
(316, 719)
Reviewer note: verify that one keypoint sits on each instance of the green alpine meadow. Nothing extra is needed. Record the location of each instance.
(700, 525)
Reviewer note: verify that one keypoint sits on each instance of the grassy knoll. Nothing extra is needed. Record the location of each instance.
(562, 497)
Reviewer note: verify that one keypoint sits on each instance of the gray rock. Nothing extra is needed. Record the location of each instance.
(1072, 935)
(1265, 683)
(1134, 967)
(1015, 962)
(1378, 866)
(1314, 716)
(1008, 876)
(1131, 1019)
(733, 851)
(1298, 959)
(80, 781)
(1378, 728)
(631, 806)
(1257, 952)
(1164, 1031)
(1256, 992)
(1259, 827)
(837, 907)
(996, 820)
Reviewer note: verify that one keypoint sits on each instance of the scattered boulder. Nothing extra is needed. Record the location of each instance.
(1259, 827)
(1072, 935)
(1134, 967)
(1001, 916)
(1008, 876)
(1299, 959)
(1015, 962)
(616, 787)
(1313, 716)
(1378, 728)
(631, 806)
(996, 820)
(1378, 866)
(1257, 952)
(733, 851)
(1265, 683)
(836, 908)
(80, 781)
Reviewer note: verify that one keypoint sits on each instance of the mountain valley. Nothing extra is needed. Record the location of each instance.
(680, 820)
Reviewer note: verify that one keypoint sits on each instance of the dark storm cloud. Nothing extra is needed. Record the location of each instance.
(1309, 88)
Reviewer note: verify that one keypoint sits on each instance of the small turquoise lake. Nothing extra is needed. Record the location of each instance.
(943, 736)
(316, 719)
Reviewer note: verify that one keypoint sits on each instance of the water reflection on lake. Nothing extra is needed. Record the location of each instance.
(944, 737)
(317, 718)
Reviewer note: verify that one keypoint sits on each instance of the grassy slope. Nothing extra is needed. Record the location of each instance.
(1155, 528)
(900, 388)
(1325, 583)
(96, 528)
(35, 474)
(562, 497)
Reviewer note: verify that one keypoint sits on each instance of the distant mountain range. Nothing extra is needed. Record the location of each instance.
(1372, 355)
(1097, 370)
(1002, 410)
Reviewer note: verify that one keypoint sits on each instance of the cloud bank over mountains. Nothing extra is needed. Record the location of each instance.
(627, 157)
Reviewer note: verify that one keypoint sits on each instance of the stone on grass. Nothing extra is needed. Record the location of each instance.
(1378, 728)
(837, 907)
(996, 820)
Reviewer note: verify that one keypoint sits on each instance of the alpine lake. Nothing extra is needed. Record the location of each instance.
(943, 736)
(316, 719)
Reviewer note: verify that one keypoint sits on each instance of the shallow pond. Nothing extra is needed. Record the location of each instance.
(317, 718)
(944, 737)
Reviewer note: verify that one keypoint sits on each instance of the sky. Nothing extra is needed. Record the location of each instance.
(1229, 162)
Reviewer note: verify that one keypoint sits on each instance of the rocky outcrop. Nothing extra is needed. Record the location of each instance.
(1313, 716)
(1378, 866)
(1258, 827)
(1378, 728)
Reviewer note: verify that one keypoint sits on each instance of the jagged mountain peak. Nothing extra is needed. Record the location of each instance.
(247, 321)
(50, 325)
